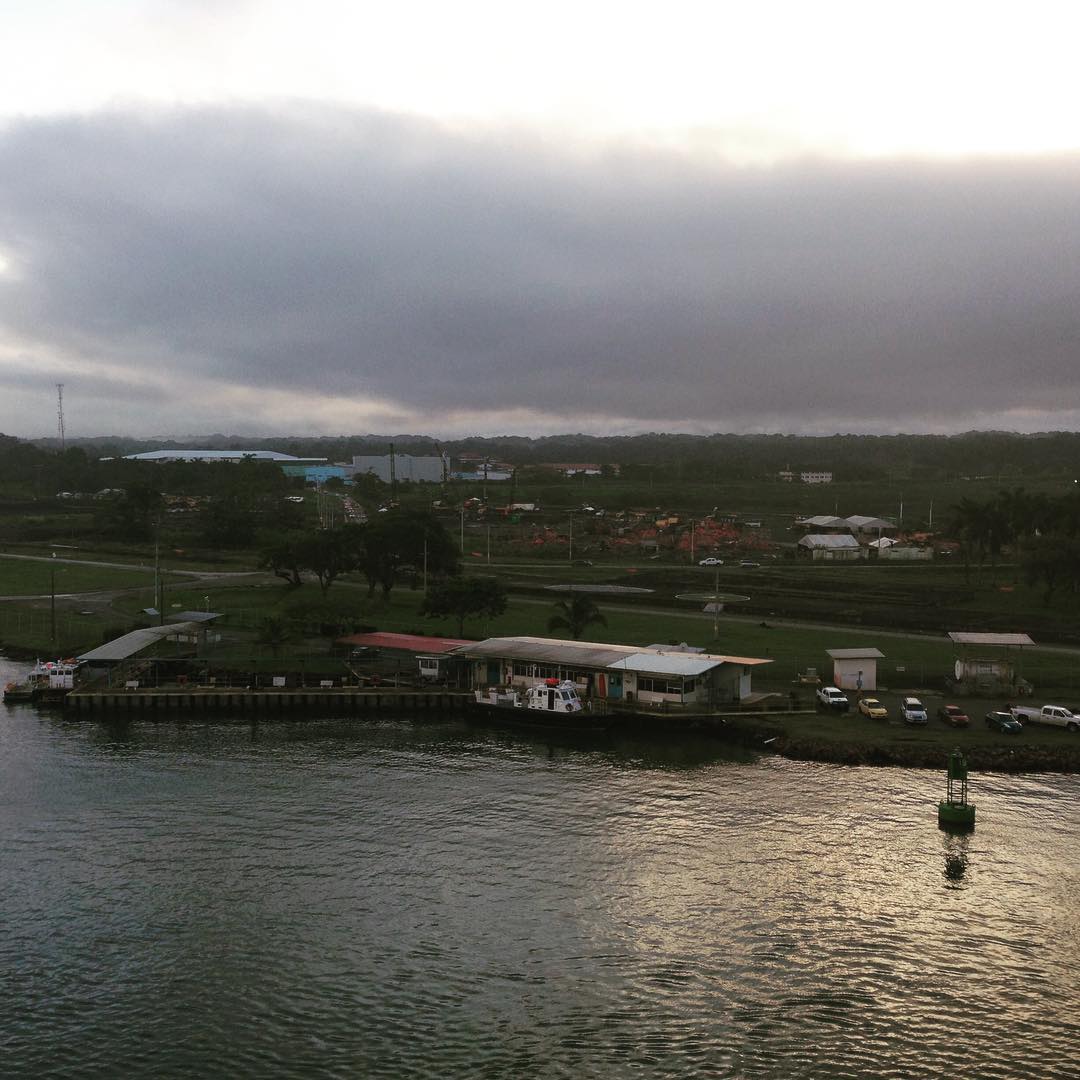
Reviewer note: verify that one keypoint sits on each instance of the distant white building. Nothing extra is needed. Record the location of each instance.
(430, 470)
(807, 476)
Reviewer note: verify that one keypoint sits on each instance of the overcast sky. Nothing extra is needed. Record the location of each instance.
(486, 218)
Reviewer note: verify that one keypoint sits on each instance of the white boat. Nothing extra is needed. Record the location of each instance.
(48, 680)
(550, 696)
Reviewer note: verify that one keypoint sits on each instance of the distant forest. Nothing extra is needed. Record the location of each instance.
(1003, 456)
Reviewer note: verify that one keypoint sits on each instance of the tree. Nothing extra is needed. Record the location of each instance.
(402, 538)
(274, 632)
(283, 556)
(575, 615)
(329, 553)
(464, 597)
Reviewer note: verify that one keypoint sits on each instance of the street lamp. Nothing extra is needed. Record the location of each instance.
(52, 600)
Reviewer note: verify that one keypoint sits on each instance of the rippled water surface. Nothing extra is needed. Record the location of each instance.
(429, 900)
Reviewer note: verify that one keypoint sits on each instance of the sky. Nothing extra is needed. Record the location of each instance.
(485, 218)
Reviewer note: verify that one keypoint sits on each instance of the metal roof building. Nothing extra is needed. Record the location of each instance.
(222, 455)
(129, 644)
(855, 669)
(613, 672)
(832, 546)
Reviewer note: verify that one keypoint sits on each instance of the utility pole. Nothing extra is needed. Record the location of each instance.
(60, 415)
(570, 556)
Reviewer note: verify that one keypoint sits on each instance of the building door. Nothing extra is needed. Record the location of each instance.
(615, 687)
(494, 672)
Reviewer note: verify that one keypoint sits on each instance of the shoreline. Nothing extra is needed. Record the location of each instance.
(1015, 758)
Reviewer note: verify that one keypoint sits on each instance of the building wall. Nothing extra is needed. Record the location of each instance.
(906, 554)
(838, 554)
(846, 673)
(724, 684)
(406, 466)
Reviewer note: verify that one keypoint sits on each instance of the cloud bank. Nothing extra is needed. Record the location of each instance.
(316, 269)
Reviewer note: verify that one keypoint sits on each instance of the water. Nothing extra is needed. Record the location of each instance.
(429, 900)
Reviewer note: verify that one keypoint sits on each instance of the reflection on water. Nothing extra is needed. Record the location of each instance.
(433, 900)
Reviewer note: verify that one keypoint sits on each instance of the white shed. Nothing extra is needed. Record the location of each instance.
(855, 669)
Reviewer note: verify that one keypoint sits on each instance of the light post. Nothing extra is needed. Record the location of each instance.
(52, 600)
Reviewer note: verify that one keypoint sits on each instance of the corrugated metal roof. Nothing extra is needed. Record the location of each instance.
(193, 616)
(548, 651)
(666, 663)
(963, 638)
(823, 521)
(585, 653)
(417, 643)
(857, 521)
(829, 540)
(129, 644)
(856, 654)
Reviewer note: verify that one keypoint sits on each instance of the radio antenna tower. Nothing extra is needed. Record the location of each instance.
(60, 415)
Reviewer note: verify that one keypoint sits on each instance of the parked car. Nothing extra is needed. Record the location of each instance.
(870, 706)
(1004, 722)
(829, 697)
(913, 711)
(749, 563)
(953, 715)
(711, 562)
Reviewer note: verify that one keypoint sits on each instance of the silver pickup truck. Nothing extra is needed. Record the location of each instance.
(1056, 715)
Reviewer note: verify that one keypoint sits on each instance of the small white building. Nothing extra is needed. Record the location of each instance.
(855, 669)
(832, 547)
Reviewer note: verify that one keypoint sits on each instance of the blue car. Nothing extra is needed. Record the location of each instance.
(1004, 722)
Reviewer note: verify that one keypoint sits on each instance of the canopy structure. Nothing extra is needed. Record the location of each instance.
(129, 644)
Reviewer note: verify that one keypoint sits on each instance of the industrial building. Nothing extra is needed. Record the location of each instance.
(224, 455)
(387, 467)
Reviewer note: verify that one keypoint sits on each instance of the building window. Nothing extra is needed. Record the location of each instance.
(651, 685)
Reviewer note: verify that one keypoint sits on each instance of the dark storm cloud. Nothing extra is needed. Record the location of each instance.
(362, 255)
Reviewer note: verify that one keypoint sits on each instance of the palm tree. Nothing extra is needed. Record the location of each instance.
(575, 615)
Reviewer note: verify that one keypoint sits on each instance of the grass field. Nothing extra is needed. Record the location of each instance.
(24, 577)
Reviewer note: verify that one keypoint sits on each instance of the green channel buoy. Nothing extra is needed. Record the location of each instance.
(955, 812)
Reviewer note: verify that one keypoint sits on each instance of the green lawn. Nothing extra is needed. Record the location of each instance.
(22, 577)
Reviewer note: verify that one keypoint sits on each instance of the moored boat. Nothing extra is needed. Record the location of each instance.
(549, 702)
(48, 681)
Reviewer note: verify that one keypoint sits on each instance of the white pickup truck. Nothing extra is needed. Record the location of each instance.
(829, 697)
(1057, 715)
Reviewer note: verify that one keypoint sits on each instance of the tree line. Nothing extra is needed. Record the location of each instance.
(1041, 531)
